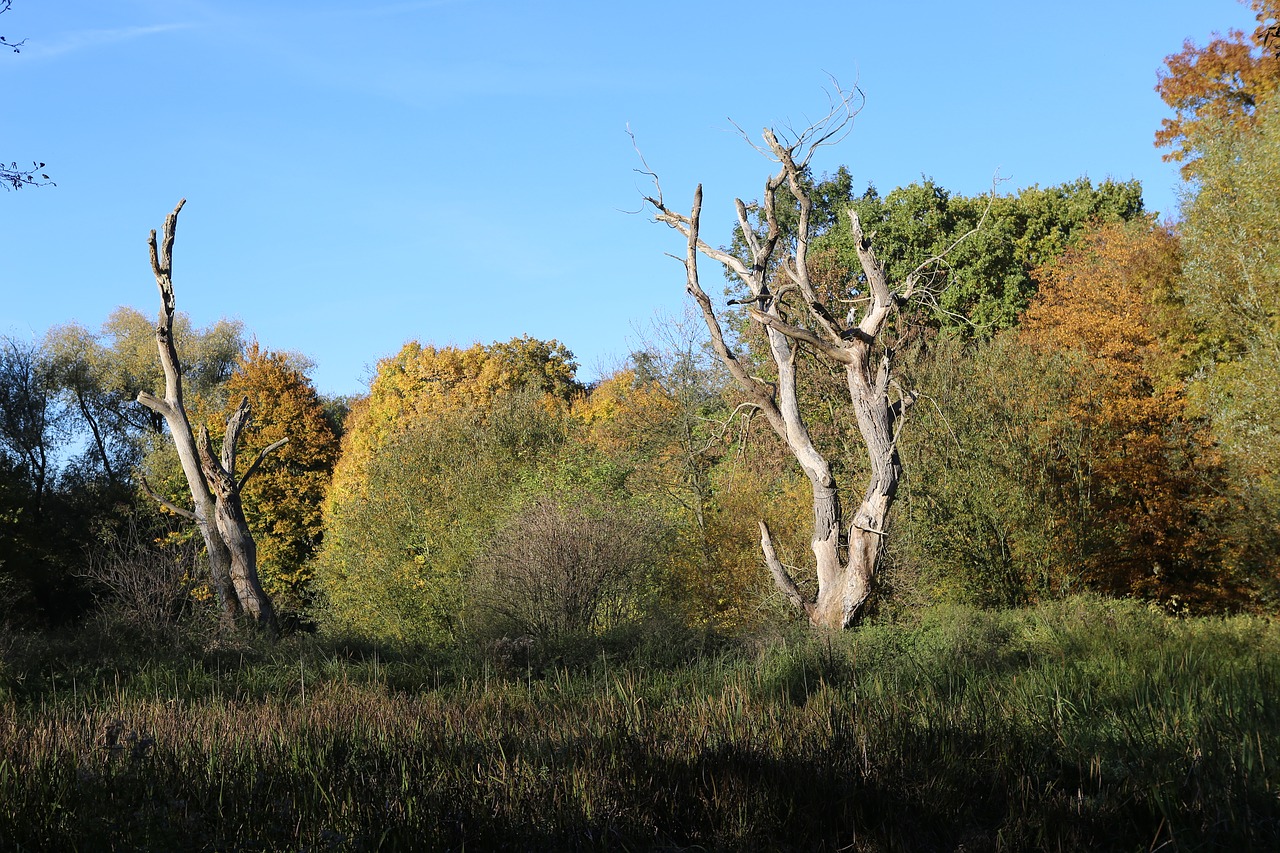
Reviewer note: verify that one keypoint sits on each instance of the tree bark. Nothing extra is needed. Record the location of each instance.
(231, 522)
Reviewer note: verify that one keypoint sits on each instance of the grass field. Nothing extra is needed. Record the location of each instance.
(1082, 725)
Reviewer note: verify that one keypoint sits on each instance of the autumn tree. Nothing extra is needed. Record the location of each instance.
(420, 382)
(1149, 487)
(1061, 455)
(430, 462)
(863, 337)
(1220, 87)
(212, 479)
(283, 503)
(1231, 288)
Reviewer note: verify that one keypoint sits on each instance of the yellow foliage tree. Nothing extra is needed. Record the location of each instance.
(420, 382)
(430, 460)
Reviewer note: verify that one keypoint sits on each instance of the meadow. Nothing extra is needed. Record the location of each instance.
(1084, 724)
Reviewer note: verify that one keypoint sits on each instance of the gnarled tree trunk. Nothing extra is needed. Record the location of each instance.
(846, 553)
(215, 492)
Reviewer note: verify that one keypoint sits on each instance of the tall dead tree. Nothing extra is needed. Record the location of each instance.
(215, 490)
(781, 298)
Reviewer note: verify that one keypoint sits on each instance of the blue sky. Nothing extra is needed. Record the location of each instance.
(363, 174)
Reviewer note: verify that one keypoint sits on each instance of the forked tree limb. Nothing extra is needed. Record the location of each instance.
(155, 404)
(801, 334)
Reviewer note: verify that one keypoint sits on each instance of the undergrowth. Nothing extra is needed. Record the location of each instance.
(1081, 725)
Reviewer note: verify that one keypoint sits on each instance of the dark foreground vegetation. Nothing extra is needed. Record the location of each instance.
(1084, 724)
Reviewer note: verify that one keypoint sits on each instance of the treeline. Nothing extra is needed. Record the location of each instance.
(1096, 410)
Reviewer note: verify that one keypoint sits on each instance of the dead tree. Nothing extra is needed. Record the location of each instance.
(215, 491)
(781, 298)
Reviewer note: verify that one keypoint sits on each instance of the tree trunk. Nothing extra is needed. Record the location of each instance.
(846, 554)
(215, 492)
(231, 523)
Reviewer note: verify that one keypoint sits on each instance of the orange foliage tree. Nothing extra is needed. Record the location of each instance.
(284, 501)
(1146, 505)
(1219, 86)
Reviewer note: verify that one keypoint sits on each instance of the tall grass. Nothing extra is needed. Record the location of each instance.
(1083, 725)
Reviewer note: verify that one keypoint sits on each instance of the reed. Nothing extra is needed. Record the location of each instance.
(1080, 725)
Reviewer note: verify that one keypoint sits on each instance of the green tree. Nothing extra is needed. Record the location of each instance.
(985, 281)
(1231, 289)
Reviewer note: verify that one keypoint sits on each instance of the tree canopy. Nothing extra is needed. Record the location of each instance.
(1223, 86)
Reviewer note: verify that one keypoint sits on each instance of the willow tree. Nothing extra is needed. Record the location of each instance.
(215, 488)
(863, 335)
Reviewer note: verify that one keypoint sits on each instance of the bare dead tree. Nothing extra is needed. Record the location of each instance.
(864, 342)
(215, 490)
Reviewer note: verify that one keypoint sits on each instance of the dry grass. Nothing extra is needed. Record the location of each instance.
(1088, 725)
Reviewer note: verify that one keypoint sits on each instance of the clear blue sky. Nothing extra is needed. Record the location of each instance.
(360, 174)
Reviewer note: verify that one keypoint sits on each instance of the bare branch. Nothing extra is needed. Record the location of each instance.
(646, 171)
(235, 425)
(155, 404)
(12, 176)
(831, 128)
(693, 285)
(262, 454)
(915, 274)
(882, 297)
(746, 137)
(165, 502)
(799, 333)
(781, 577)
(748, 233)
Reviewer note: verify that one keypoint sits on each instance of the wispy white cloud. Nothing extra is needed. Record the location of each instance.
(74, 42)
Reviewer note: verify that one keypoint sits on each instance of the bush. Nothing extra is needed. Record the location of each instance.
(561, 568)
